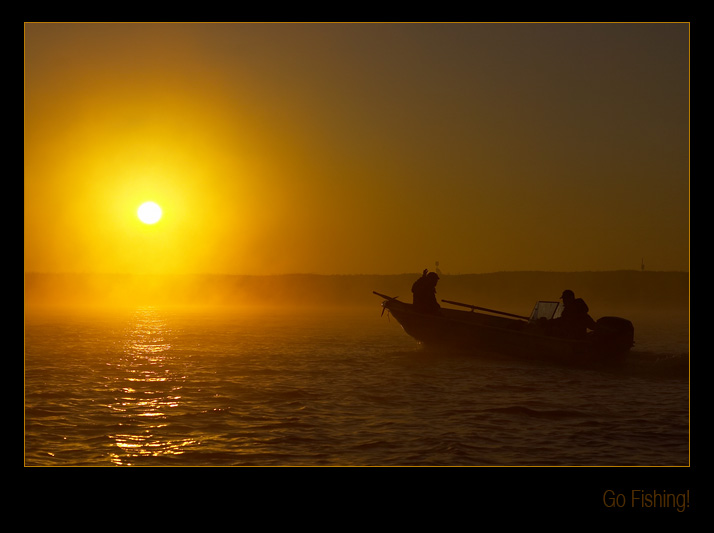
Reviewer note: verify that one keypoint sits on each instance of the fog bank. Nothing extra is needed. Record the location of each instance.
(512, 291)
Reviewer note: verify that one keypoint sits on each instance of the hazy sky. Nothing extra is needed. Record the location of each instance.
(356, 148)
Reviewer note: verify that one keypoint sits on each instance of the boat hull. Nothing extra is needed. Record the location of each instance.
(479, 332)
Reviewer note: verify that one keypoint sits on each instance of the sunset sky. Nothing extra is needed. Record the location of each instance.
(356, 148)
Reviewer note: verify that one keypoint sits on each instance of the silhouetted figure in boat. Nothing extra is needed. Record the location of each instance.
(424, 290)
(574, 321)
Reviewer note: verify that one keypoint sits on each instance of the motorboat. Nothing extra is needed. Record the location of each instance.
(480, 329)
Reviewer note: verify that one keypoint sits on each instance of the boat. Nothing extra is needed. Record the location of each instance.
(485, 330)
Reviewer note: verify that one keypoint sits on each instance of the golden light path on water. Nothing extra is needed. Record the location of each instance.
(148, 387)
(177, 387)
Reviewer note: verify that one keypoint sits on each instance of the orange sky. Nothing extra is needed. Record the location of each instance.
(346, 149)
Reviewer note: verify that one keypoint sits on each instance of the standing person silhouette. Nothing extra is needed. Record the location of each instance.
(424, 291)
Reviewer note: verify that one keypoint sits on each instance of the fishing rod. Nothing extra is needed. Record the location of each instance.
(472, 307)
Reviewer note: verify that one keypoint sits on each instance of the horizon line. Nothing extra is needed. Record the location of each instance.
(314, 274)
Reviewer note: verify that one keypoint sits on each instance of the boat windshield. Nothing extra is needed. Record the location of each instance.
(545, 309)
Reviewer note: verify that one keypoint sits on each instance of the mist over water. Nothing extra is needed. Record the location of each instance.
(235, 385)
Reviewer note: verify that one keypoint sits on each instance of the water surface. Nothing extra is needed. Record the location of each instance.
(153, 386)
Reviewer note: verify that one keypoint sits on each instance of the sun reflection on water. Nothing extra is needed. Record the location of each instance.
(149, 383)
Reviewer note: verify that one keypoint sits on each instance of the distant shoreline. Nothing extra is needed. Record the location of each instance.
(616, 288)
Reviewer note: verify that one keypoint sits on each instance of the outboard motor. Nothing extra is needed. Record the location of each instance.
(614, 334)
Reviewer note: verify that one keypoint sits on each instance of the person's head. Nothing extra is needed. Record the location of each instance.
(433, 278)
(567, 296)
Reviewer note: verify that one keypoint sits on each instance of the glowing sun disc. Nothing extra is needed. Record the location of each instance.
(149, 213)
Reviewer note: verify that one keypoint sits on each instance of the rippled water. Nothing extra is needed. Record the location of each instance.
(154, 386)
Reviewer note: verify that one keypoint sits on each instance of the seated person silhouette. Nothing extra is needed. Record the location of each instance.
(424, 290)
(574, 322)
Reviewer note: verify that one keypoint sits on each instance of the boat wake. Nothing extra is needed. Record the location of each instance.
(555, 414)
(658, 364)
(646, 364)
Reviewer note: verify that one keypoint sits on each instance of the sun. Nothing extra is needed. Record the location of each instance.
(149, 213)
